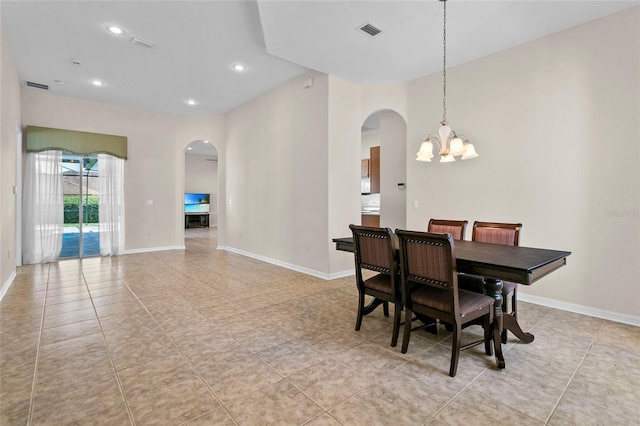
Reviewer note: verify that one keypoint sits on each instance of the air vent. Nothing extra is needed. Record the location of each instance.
(37, 85)
(141, 42)
(370, 29)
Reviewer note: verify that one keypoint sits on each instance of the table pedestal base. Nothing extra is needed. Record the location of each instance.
(493, 288)
(509, 322)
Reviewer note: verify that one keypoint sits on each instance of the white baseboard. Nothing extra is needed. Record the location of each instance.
(152, 249)
(580, 309)
(551, 303)
(276, 262)
(342, 274)
(7, 284)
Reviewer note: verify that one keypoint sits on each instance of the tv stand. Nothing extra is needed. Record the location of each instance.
(196, 220)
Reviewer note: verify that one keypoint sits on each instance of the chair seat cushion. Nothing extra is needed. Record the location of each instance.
(508, 287)
(440, 300)
(380, 282)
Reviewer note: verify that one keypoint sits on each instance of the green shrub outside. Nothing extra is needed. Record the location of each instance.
(90, 209)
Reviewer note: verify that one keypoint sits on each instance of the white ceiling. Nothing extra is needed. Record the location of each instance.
(197, 42)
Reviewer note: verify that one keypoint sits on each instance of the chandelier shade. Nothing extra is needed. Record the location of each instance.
(449, 144)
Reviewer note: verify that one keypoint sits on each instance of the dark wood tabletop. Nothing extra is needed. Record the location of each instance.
(523, 265)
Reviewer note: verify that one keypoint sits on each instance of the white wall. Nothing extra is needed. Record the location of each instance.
(150, 170)
(555, 123)
(9, 124)
(277, 175)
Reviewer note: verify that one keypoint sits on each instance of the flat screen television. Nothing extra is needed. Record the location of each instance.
(196, 203)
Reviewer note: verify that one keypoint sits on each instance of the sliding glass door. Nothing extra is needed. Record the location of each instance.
(81, 236)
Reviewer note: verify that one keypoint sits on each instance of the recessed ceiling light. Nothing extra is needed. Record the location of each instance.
(97, 83)
(238, 67)
(189, 148)
(114, 30)
(206, 141)
(59, 82)
(191, 101)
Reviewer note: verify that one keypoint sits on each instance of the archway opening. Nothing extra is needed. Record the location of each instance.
(384, 170)
(201, 190)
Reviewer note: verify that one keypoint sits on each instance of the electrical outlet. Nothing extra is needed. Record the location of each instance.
(415, 204)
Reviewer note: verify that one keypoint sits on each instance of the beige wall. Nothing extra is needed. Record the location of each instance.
(370, 138)
(150, 171)
(276, 176)
(393, 170)
(9, 126)
(555, 123)
(344, 144)
(548, 119)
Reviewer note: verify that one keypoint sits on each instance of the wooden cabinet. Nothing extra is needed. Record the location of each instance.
(196, 219)
(364, 168)
(371, 220)
(374, 169)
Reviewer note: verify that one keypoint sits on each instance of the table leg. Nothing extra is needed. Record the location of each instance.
(493, 288)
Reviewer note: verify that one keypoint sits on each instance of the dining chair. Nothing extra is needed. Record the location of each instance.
(375, 250)
(454, 227)
(506, 234)
(429, 285)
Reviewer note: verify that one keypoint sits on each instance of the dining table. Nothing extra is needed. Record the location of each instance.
(495, 263)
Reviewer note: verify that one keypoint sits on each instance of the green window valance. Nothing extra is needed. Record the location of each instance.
(84, 143)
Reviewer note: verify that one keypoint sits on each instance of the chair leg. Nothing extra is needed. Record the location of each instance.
(360, 310)
(397, 312)
(385, 309)
(407, 330)
(455, 349)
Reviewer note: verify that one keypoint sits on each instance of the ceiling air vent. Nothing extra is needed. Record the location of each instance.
(37, 85)
(370, 29)
(141, 42)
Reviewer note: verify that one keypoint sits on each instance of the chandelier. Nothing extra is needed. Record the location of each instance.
(450, 144)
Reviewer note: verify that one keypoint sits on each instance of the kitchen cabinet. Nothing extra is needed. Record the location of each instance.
(374, 169)
(364, 168)
(371, 220)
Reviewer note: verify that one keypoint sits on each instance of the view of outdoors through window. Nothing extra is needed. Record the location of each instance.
(80, 180)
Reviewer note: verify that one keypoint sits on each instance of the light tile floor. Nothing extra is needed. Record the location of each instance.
(204, 337)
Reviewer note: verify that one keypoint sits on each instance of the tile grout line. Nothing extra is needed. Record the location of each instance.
(106, 344)
(35, 367)
(185, 358)
(564, 391)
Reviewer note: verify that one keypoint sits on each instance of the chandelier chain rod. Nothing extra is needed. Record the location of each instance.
(444, 65)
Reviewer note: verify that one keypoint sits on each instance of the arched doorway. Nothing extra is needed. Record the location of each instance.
(384, 142)
(201, 189)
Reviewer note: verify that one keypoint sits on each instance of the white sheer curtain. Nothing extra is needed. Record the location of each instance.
(43, 205)
(111, 204)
